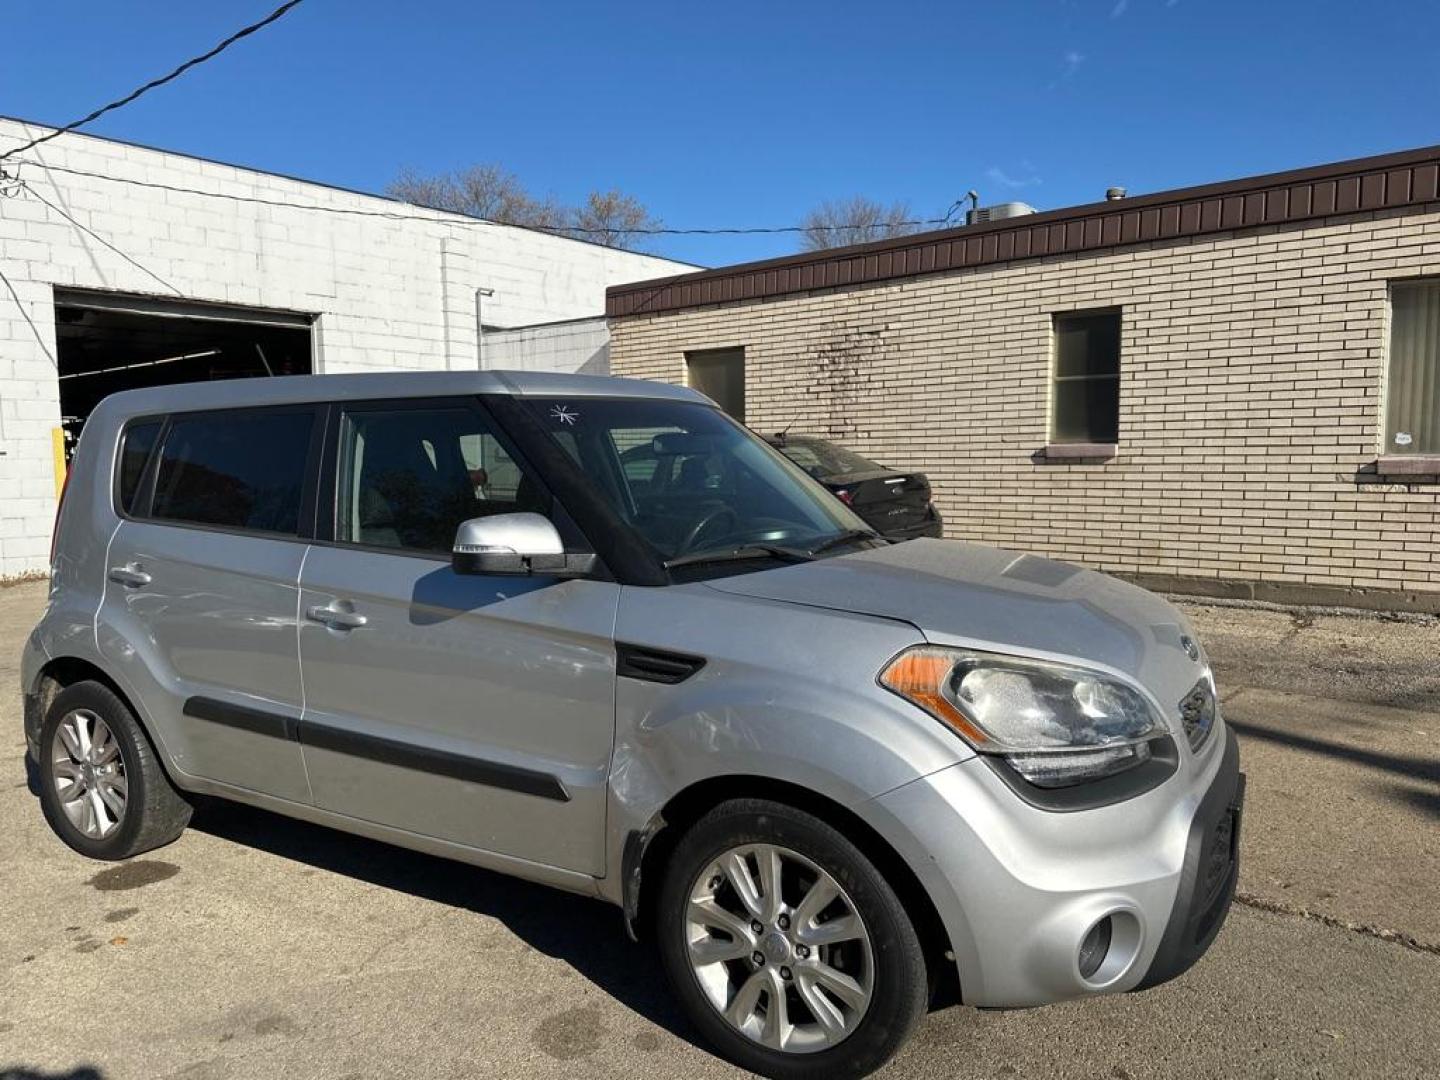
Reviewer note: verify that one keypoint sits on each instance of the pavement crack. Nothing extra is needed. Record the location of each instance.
(1397, 937)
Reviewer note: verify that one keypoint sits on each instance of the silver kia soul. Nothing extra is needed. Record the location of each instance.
(829, 777)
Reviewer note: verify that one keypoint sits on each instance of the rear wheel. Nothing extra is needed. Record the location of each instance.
(101, 785)
(786, 945)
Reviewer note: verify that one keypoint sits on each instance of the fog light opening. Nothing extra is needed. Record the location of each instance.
(1095, 946)
(1108, 950)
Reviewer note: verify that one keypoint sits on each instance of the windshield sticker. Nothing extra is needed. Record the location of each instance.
(564, 414)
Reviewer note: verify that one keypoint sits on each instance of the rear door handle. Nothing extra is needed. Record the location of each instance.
(131, 576)
(335, 618)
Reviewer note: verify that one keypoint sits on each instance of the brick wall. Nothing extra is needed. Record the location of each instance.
(387, 294)
(1251, 397)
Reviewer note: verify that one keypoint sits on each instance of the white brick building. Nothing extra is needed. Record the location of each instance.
(361, 284)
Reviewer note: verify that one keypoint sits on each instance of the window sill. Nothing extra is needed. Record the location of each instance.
(1077, 453)
(1408, 465)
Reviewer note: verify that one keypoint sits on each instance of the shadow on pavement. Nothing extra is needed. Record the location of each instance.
(84, 1072)
(1418, 767)
(587, 934)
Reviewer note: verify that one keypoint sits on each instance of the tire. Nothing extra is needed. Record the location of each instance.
(152, 812)
(886, 957)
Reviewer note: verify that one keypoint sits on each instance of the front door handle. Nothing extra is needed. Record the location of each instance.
(335, 618)
(130, 575)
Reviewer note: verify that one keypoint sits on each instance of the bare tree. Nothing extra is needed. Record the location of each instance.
(492, 192)
(614, 219)
(854, 221)
(484, 191)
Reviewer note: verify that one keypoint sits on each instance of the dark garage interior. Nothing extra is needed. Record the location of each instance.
(106, 343)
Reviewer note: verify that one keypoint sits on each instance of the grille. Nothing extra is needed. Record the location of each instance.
(1197, 713)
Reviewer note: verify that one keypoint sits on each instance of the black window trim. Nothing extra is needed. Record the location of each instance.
(143, 511)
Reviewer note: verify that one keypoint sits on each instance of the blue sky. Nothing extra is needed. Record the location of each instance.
(749, 113)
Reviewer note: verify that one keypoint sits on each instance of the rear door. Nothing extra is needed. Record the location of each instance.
(202, 585)
(474, 709)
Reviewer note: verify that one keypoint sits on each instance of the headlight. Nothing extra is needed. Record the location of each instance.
(1055, 724)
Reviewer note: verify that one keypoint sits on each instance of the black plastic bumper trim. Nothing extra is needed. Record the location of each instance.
(437, 762)
(1199, 913)
(256, 721)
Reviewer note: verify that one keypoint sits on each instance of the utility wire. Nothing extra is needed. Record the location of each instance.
(465, 219)
(153, 83)
(92, 233)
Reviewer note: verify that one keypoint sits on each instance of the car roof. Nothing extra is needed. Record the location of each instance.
(301, 389)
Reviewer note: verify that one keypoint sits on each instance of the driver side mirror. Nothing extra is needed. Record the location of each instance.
(517, 544)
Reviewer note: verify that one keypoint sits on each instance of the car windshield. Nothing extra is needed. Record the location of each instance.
(821, 458)
(692, 481)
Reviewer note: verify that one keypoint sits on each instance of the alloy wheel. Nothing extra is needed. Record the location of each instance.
(779, 948)
(89, 774)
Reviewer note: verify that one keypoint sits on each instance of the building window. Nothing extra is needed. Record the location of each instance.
(1413, 398)
(719, 374)
(1085, 392)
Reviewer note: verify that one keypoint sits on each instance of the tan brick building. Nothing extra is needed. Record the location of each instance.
(1277, 434)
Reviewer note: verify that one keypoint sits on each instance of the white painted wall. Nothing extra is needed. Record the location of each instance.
(577, 345)
(388, 293)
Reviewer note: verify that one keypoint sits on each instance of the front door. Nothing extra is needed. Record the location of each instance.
(473, 709)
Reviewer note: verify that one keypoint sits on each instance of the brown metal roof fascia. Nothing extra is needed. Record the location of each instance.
(1408, 178)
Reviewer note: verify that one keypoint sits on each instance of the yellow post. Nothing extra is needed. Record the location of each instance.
(57, 447)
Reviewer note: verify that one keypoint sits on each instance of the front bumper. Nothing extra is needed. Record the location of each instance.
(1019, 888)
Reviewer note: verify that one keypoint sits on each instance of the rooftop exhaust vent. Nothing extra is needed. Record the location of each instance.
(997, 212)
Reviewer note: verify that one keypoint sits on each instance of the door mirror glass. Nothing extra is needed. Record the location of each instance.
(520, 543)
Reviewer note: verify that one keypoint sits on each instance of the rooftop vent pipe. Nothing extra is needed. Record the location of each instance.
(1114, 194)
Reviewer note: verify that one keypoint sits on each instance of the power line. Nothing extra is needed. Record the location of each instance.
(92, 233)
(153, 83)
(464, 219)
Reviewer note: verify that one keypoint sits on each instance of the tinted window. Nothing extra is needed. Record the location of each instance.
(241, 470)
(135, 447)
(409, 477)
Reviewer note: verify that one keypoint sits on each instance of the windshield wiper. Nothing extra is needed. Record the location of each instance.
(849, 536)
(739, 554)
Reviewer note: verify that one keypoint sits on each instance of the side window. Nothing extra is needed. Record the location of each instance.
(135, 446)
(241, 470)
(409, 477)
(1085, 397)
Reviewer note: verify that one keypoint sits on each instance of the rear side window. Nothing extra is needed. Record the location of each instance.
(239, 470)
(135, 446)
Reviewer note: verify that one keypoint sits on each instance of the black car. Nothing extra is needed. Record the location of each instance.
(896, 504)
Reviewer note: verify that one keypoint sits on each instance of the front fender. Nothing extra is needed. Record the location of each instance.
(786, 694)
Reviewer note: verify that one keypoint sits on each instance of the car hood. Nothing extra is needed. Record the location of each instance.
(958, 593)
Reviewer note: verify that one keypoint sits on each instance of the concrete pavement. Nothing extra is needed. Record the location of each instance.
(256, 946)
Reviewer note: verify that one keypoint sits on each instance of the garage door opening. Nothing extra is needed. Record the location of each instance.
(106, 343)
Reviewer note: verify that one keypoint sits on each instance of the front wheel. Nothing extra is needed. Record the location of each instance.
(786, 945)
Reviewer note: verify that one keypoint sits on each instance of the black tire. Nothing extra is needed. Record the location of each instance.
(155, 812)
(901, 988)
